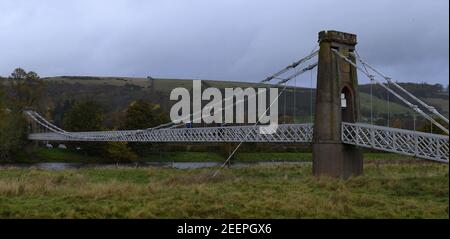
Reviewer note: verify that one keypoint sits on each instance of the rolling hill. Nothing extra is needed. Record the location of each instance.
(116, 93)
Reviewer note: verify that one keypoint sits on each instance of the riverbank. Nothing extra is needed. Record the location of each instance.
(56, 155)
(44, 155)
(388, 189)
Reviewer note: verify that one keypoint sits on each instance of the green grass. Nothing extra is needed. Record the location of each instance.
(416, 189)
(443, 104)
(44, 155)
(380, 105)
(183, 157)
(255, 157)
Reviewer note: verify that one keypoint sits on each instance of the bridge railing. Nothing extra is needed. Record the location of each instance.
(407, 142)
(286, 133)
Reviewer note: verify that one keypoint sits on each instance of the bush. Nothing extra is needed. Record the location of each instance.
(120, 152)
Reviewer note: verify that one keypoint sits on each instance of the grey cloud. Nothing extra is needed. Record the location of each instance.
(223, 40)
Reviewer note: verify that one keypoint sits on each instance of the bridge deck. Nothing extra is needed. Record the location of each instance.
(286, 133)
(407, 142)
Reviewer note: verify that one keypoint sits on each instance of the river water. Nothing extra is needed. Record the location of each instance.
(177, 165)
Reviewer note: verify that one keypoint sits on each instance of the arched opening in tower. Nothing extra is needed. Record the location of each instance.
(347, 106)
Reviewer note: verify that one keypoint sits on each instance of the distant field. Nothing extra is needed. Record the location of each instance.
(118, 81)
(159, 84)
(438, 102)
(380, 105)
(388, 189)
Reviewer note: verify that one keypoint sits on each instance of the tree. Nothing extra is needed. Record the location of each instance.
(397, 123)
(86, 116)
(2, 95)
(13, 131)
(142, 114)
(27, 90)
(428, 128)
(13, 125)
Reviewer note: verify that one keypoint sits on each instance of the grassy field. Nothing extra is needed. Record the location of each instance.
(440, 103)
(44, 155)
(160, 84)
(380, 105)
(390, 188)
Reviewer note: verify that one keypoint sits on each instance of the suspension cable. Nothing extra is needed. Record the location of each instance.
(414, 107)
(431, 127)
(275, 76)
(293, 65)
(283, 81)
(388, 106)
(371, 95)
(284, 107)
(37, 118)
(295, 101)
(47, 122)
(248, 133)
(388, 79)
(46, 126)
(371, 101)
(308, 68)
(41, 121)
(311, 97)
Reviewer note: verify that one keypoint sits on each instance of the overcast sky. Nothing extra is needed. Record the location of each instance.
(222, 39)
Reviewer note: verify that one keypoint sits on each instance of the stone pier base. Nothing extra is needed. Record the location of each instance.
(334, 159)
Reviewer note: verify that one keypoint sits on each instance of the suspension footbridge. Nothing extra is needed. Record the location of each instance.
(336, 133)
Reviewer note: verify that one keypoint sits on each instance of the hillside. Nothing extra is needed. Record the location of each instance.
(164, 86)
(116, 93)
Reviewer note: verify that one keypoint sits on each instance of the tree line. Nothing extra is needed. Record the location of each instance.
(26, 90)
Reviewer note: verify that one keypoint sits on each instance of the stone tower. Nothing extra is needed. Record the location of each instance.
(337, 101)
